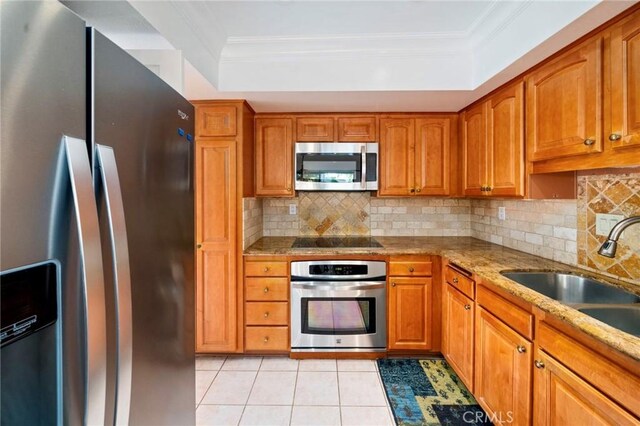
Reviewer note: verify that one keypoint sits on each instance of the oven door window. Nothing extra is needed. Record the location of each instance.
(338, 316)
(334, 168)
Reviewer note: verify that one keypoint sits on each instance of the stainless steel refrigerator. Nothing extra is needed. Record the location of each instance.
(96, 229)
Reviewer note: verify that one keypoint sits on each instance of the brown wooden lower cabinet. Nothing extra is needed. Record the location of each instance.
(502, 371)
(409, 313)
(458, 333)
(563, 398)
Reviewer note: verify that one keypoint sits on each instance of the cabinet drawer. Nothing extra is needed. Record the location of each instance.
(410, 268)
(516, 317)
(266, 289)
(266, 313)
(268, 339)
(610, 378)
(265, 269)
(460, 281)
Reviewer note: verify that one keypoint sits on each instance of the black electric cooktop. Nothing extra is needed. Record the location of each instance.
(338, 242)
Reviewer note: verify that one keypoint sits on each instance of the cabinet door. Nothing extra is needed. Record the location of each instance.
(397, 156)
(502, 370)
(216, 293)
(625, 84)
(314, 129)
(458, 333)
(564, 105)
(357, 129)
(474, 146)
(409, 313)
(274, 156)
(563, 398)
(505, 161)
(432, 156)
(216, 120)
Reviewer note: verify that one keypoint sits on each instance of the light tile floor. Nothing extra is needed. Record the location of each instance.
(270, 391)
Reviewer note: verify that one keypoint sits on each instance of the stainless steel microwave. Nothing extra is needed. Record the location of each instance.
(336, 166)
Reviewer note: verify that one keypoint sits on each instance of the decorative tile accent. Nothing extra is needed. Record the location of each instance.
(614, 194)
(251, 220)
(334, 213)
(546, 228)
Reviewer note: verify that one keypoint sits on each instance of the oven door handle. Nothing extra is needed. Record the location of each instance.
(332, 286)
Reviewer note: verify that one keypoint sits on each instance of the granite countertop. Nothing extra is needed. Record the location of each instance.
(486, 260)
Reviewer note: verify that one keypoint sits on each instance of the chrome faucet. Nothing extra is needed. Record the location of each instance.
(608, 249)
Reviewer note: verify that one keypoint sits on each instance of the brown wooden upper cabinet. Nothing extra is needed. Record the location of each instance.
(216, 120)
(314, 129)
(624, 124)
(564, 104)
(493, 145)
(357, 129)
(415, 155)
(274, 156)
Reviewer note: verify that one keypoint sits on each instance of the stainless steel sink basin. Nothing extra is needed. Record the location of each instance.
(572, 289)
(625, 318)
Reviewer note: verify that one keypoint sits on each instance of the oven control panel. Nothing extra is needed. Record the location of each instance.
(338, 270)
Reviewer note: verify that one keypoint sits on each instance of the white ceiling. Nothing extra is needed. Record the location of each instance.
(350, 55)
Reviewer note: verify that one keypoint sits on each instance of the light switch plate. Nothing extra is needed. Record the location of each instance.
(502, 213)
(604, 222)
(293, 209)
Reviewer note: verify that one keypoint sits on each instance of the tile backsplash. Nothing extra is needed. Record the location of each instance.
(562, 230)
(614, 194)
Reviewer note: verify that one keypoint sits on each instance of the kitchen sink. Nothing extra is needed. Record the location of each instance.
(624, 318)
(572, 289)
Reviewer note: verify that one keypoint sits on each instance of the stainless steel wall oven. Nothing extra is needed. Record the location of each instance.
(338, 305)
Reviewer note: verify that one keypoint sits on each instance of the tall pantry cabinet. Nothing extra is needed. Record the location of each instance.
(224, 175)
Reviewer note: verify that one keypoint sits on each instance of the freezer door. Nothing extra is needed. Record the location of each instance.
(45, 377)
(146, 124)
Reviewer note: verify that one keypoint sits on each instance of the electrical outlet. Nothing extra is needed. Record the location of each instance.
(293, 209)
(502, 213)
(604, 222)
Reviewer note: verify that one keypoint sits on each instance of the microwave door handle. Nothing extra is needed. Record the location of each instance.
(121, 278)
(93, 296)
(363, 177)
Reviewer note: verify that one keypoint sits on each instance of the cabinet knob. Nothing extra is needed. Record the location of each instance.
(393, 284)
(467, 307)
(455, 280)
(288, 188)
(589, 142)
(411, 269)
(489, 188)
(266, 339)
(521, 349)
(418, 189)
(266, 314)
(266, 269)
(199, 246)
(266, 289)
(614, 137)
(412, 190)
(538, 364)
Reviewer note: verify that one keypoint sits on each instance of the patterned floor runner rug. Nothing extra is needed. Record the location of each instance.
(428, 392)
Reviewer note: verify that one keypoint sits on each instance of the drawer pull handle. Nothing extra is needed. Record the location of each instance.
(614, 137)
(589, 142)
(467, 307)
(455, 281)
(266, 339)
(266, 269)
(393, 284)
(266, 289)
(266, 314)
(411, 269)
(521, 349)
(538, 364)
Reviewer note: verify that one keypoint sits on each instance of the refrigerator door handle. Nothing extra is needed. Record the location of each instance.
(122, 279)
(92, 279)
